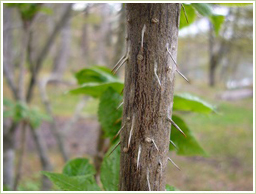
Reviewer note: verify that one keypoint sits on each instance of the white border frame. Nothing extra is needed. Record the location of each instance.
(253, 2)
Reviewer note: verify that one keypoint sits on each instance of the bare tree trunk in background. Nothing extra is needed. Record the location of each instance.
(8, 155)
(23, 141)
(41, 57)
(85, 38)
(42, 151)
(213, 60)
(147, 105)
(121, 33)
(56, 132)
(61, 60)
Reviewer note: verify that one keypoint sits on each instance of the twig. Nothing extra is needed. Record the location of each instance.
(119, 131)
(120, 105)
(173, 144)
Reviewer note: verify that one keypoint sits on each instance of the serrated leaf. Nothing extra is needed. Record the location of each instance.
(217, 21)
(96, 89)
(78, 167)
(187, 146)
(76, 183)
(170, 188)
(189, 102)
(191, 15)
(110, 168)
(108, 114)
(203, 8)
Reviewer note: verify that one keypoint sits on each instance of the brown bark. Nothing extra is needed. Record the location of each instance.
(147, 104)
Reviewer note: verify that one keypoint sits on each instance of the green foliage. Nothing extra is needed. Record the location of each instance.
(27, 10)
(189, 102)
(77, 175)
(170, 188)
(203, 8)
(78, 167)
(96, 74)
(19, 111)
(187, 146)
(108, 114)
(191, 15)
(110, 169)
(73, 183)
(95, 80)
(217, 21)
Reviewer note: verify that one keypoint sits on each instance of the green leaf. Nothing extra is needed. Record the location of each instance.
(75, 183)
(96, 89)
(188, 145)
(95, 74)
(217, 21)
(77, 167)
(189, 102)
(108, 114)
(110, 168)
(203, 8)
(170, 188)
(191, 14)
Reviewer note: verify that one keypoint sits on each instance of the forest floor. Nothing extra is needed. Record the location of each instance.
(227, 137)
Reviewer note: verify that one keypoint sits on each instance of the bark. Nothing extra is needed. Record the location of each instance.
(44, 159)
(147, 104)
(22, 153)
(61, 60)
(9, 156)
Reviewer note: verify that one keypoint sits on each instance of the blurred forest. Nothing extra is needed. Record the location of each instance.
(44, 45)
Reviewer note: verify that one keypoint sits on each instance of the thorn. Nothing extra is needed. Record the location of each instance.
(120, 65)
(120, 105)
(148, 180)
(174, 163)
(153, 141)
(114, 148)
(119, 131)
(138, 159)
(130, 136)
(142, 35)
(161, 165)
(182, 75)
(167, 45)
(155, 72)
(185, 13)
(173, 144)
(116, 65)
(176, 126)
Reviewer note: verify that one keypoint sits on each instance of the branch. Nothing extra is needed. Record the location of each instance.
(45, 50)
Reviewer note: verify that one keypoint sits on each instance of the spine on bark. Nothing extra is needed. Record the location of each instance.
(148, 95)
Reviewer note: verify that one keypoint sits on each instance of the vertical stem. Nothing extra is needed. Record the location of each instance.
(144, 98)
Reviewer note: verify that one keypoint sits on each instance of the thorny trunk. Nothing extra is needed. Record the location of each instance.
(148, 102)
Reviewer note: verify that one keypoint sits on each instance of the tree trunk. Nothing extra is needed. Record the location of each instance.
(44, 159)
(148, 100)
(9, 156)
